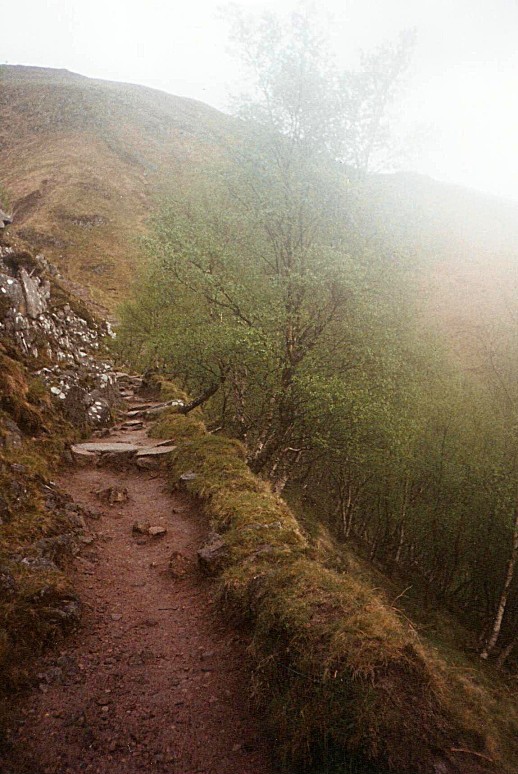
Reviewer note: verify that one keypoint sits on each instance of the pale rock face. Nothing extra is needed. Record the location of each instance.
(11, 292)
(35, 295)
(80, 381)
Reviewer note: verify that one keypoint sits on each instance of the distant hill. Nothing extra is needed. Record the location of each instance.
(466, 245)
(85, 162)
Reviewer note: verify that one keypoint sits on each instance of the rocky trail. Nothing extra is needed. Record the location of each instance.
(153, 680)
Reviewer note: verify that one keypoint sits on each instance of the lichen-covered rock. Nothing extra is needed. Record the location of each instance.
(61, 345)
(11, 294)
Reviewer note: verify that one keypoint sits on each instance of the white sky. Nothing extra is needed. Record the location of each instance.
(462, 91)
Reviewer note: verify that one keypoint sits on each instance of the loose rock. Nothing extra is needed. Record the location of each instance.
(113, 495)
(157, 531)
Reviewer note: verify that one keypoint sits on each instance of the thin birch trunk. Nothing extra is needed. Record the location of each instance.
(497, 624)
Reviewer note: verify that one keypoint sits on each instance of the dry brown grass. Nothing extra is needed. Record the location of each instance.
(85, 162)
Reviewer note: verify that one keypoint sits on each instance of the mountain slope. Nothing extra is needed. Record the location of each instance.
(84, 160)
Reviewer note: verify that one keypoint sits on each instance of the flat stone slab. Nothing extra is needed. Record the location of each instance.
(154, 451)
(106, 448)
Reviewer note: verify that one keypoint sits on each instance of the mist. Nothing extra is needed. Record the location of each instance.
(457, 117)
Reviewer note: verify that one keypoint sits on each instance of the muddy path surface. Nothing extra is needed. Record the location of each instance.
(154, 680)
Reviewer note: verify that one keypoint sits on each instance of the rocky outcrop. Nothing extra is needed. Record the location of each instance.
(57, 338)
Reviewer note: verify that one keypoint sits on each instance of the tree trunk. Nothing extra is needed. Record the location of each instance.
(208, 393)
(497, 624)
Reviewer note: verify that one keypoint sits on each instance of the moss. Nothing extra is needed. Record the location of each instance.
(336, 667)
(168, 390)
(178, 427)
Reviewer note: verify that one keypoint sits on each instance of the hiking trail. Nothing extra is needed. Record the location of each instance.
(154, 680)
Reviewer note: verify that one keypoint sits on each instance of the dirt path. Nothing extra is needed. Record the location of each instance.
(154, 681)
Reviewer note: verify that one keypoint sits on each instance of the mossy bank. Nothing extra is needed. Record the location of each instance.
(337, 669)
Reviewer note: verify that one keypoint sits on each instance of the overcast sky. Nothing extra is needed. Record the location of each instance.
(462, 94)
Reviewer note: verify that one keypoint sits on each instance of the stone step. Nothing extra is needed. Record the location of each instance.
(115, 447)
(155, 451)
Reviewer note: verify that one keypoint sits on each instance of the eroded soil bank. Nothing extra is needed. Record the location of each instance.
(154, 680)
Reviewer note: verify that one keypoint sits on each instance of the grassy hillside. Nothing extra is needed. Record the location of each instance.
(84, 161)
(467, 245)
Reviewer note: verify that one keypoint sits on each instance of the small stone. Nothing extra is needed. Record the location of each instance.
(141, 528)
(157, 531)
(113, 495)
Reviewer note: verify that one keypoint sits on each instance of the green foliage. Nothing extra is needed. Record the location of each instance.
(275, 281)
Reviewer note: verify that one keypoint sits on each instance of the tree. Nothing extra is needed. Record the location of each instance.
(297, 91)
(257, 261)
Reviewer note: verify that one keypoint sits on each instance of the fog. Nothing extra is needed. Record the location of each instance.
(458, 116)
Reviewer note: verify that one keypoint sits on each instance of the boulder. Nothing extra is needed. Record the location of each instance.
(99, 413)
(148, 463)
(10, 434)
(83, 457)
(141, 528)
(57, 549)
